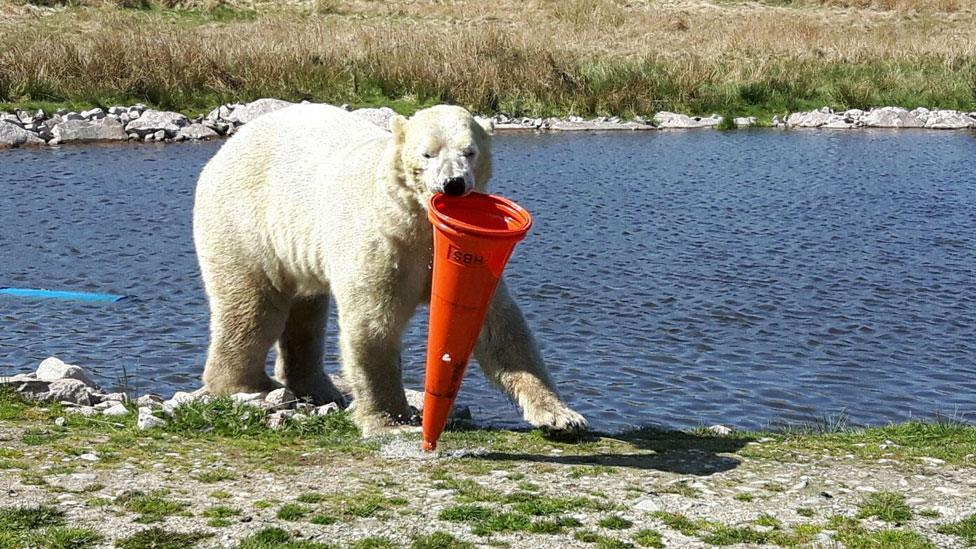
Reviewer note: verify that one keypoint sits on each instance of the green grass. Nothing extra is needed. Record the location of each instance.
(29, 518)
(614, 522)
(41, 526)
(159, 538)
(965, 529)
(744, 496)
(805, 512)
(216, 475)
(220, 494)
(374, 542)
(276, 538)
(465, 513)
(900, 539)
(323, 520)
(293, 512)
(151, 507)
(649, 538)
(311, 497)
(439, 540)
(681, 523)
(887, 506)
(220, 511)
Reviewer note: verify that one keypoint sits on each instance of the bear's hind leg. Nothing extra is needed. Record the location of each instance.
(300, 349)
(244, 323)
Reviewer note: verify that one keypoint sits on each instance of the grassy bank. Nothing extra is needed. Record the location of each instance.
(215, 476)
(542, 57)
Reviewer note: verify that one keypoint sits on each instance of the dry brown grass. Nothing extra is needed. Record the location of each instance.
(532, 57)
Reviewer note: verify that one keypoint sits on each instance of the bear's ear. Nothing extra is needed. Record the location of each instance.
(486, 124)
(398, 125)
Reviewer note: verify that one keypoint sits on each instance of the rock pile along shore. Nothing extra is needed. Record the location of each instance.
(70, 386)
(139, 123)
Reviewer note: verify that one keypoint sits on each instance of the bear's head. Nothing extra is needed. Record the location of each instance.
(443, 149)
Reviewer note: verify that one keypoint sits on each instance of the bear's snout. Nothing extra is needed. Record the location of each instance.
(455, 186)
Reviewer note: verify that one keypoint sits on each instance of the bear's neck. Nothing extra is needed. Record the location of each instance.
(402, 215)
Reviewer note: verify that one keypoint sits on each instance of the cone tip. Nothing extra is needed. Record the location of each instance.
(429, 445)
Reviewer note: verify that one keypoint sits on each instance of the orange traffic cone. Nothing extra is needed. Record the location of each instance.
(474, 236)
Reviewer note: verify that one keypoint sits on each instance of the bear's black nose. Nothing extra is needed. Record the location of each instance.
(454, 186)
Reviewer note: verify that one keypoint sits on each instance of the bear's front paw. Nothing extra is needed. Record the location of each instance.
(561, 419)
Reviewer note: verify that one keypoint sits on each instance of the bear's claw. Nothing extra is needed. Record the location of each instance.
(563, 420)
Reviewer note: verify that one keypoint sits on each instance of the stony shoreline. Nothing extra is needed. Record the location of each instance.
(139, 123)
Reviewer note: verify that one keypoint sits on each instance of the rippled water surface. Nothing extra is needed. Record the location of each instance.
(746, 278)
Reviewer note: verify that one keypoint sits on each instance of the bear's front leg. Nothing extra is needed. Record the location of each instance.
(369, 341)
(509, 357)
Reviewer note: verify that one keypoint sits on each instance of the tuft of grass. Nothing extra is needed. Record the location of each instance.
(465, 513)
(323, 520)
(68, 538)
(220, 511)
(311, 497)
(965, 529)
(276, 538)
(649, 538)
(262, 504)
(902, 539)
(22, 519)
(439, 540)
(216, 475)
(220, 494)
(374, 542)
(681, 523)
(615, 522)
(158, 538)
(744, 496)
(590, 471)
(929, 513)
(887, 506)
(293, 512)
(805, 512)
(553, 526)
(151, 507)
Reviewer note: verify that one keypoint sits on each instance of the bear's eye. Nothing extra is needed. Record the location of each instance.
(428, 155)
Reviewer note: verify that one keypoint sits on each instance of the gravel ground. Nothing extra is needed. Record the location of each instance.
(398, 494)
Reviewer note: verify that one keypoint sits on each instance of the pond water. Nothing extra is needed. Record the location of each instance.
(749, 278)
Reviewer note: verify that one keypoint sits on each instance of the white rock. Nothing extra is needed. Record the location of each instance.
(59, 421)
(246, 398)
(151, 122)
(381, 116)
(160, 135)
(813, 119)
(150, 401)
(326, 409)
(86, 411)
(745, 122)
(93, 114)
(949, 120)
(12, 135)
(53, 368)
(671, 120)
(104, 129)
(647, 505)
(147, 420)
(88, 457)
(71, 390)
(279, 398)
(721, 430)
(195, 132)
(72, 116)
(116, 410)
(279, 419)
(891, 117)
(254, 109)
(932, 461)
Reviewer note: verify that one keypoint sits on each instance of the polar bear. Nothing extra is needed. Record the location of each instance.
(311, 200)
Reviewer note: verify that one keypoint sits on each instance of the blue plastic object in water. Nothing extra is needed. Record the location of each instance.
(56, 294)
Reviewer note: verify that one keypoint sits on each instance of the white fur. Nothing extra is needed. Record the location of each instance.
(310, 200)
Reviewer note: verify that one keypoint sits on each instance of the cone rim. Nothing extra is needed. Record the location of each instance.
(450, 224)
